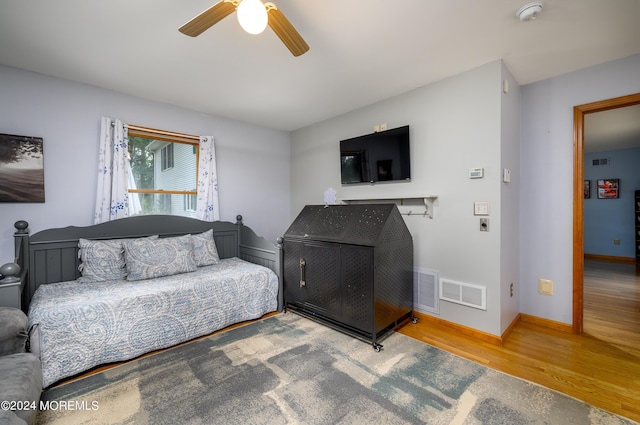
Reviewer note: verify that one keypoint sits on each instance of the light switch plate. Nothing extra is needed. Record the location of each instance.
(481, 208)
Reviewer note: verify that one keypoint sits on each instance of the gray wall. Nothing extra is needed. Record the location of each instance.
(253, 162)
(546, 206)
(510, 203)
(455, 125)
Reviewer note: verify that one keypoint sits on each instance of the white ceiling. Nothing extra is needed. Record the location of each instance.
(612, 129)
(362, 51)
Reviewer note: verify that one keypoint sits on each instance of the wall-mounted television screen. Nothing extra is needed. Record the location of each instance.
(378, 157)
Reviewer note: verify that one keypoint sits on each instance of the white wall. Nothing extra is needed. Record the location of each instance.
(455, 125)
(546, 206)
(253, 162)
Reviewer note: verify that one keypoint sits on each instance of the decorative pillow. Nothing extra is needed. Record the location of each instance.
(149, 258)
(101, 260)
(204, 249)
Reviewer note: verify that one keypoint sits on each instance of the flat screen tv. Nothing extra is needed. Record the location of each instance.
(378, 157)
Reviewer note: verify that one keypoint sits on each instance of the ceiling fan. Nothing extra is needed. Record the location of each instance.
(253, 16)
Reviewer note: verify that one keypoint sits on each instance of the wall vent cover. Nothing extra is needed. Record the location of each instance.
(425, 290)
(600, 161)
(463, 293)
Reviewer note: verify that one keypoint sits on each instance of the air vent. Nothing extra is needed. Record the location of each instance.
(463, 293)
(599, 162)
(425, 290)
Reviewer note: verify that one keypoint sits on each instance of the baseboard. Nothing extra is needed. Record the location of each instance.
(510, 328)
(551, 324)
(611, 258)
(464, 330)
(490, 338)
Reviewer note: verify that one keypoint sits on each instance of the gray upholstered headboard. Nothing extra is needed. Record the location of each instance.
(51, 255)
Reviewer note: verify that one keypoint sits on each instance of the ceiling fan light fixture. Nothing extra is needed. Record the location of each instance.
(252, 16)
(530, 11)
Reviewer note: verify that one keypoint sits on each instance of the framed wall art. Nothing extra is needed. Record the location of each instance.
(587, 189)
(608, 188)
(21, 169)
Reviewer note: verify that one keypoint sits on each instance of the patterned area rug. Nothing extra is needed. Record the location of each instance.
(289, 370)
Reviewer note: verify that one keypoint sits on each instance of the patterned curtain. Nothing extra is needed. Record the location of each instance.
(208, 207)
(112, 197)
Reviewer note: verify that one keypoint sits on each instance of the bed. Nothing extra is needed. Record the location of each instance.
(80, 318)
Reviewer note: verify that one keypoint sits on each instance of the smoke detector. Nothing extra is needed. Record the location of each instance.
(529, 11)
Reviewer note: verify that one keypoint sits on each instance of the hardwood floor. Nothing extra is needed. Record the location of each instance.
(600, 367)
(612, 304)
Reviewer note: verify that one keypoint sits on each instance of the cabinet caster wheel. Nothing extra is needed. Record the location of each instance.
(377, 347)
(414, 320)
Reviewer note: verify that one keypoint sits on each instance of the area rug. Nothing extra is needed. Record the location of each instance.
(287, 369)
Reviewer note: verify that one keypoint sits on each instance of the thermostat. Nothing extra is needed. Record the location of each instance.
(476, 173)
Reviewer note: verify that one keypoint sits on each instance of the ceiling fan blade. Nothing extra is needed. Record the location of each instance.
(286, 32)
(208, 18)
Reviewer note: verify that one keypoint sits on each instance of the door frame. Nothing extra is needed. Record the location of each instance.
(578, 196)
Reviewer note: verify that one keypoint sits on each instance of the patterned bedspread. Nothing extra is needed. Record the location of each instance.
(82, 325)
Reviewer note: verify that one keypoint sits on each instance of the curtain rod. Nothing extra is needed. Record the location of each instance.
(154, 131)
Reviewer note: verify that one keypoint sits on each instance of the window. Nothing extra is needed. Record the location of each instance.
(190, 202)
(166, 155)
(164, 167)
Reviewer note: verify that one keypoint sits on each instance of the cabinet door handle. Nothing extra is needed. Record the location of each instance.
(303, 263)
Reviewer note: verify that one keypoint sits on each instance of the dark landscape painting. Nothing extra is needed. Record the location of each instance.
(21, 169)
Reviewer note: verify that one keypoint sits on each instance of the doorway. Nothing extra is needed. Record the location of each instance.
(578, 196)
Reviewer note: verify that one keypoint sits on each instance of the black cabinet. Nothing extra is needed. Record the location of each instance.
(350, 267)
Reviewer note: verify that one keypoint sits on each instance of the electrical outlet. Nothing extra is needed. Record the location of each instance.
(545, 287)
(383, 126)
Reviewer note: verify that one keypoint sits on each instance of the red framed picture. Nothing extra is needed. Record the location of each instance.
(608, 188)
